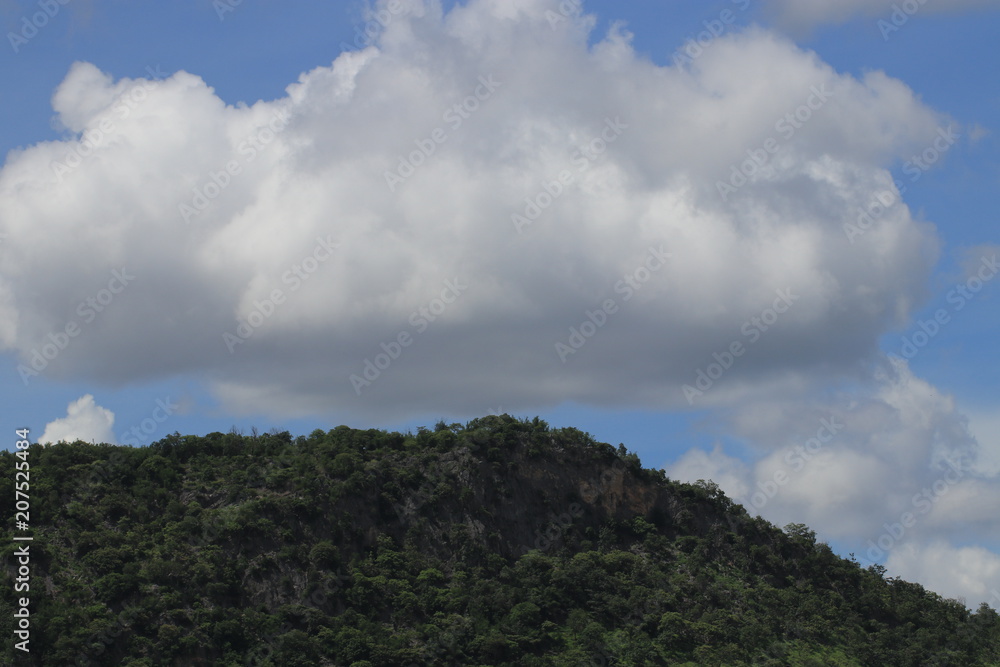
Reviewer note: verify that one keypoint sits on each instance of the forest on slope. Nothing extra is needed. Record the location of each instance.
(497, 542)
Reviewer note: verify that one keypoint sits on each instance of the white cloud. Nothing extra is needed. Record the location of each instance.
(882, 470)
(84, 420)
(969, 573)
(726, 471)
(321, 177)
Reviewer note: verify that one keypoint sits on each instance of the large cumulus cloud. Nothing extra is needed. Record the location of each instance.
(293, 220)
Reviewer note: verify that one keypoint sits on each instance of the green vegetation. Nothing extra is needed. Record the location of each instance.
(501, 542)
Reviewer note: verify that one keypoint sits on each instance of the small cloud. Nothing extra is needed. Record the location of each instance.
(84, 420)
(979, 261)
(728, 472)
(977, 132)
(804, 15)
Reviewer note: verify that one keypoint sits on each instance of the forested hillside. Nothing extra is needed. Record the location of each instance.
(501, 542)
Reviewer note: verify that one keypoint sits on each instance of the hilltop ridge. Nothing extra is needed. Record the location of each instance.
(498, 542)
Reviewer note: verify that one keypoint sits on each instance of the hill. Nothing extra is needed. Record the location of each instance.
(500, 542)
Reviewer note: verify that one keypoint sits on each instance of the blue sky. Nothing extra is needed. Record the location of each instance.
(569, 72)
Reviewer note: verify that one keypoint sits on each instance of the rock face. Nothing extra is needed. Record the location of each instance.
(503, 542)
(530, 493)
